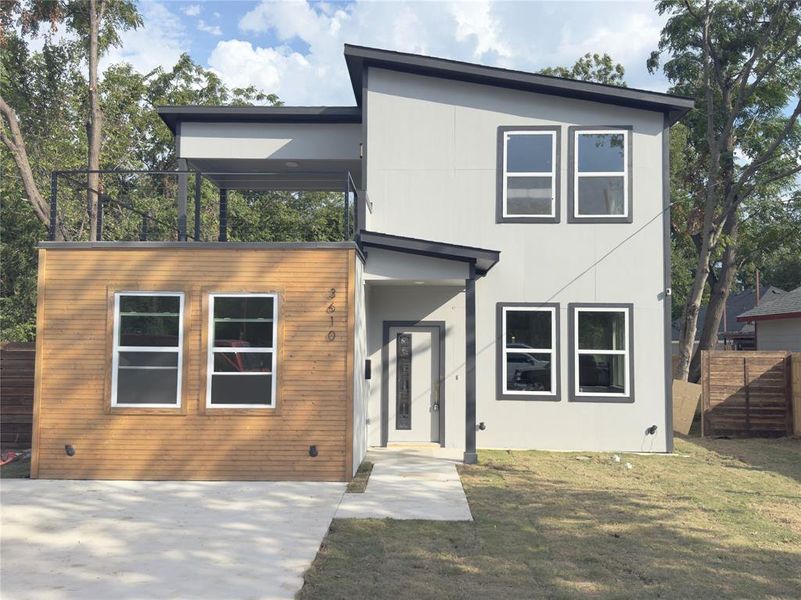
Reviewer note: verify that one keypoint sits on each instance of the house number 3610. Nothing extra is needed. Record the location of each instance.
(332, 293)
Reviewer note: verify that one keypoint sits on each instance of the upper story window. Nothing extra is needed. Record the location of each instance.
(147, 349)
(528, 175)
(601, 175)
(242, 351)
(600, 336)
(528, 351)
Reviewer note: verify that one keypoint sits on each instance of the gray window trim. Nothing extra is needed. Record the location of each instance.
(571, 174)
(501, 149)
(556, 395)
(571, 363)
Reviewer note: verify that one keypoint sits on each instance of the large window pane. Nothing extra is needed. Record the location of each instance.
(529, 153)
(528, 329)
(149, 331)
(601, 195)
(601, 330)
(258, 334)
(151, 305)
(601, 152)
(602, 373)
(528, 372)
(148, 359)
(147, 386)
(243, 307)
(529, 195)
(241, 389)
(243, 362)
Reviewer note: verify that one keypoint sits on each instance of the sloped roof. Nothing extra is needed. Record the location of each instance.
(358, 58)
(735, 306)
(783, 306)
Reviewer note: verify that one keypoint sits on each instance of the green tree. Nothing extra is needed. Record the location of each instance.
(598, 68)
(741, 61)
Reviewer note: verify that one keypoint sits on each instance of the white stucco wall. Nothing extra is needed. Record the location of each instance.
(278, 141)
(431, 173)
(360, 385)
(779, 334)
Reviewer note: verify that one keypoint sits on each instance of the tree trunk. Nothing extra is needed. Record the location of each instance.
(15, 143)
(717, 301)
(708, 238)
(94, 121)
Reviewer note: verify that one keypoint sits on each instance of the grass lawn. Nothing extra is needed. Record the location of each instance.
(722, 520)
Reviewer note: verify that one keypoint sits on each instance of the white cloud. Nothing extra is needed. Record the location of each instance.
(210, 29)
(305, 64)
(191, 10)
(159, 42)
(476, 19)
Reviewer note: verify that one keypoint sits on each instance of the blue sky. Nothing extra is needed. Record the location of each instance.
(294, 48)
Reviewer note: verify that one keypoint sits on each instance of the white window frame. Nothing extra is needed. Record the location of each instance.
(577, 174)
(506, 175)
(229, 350)
(625, 353)
(552, 351)
(117, 348)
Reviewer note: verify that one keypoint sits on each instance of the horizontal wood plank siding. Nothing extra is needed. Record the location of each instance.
(16, 394)
(314, 377)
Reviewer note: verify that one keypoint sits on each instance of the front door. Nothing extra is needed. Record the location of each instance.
(413, 410)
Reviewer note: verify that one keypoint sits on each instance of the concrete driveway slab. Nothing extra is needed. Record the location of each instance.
(410, 483)
(145, 539)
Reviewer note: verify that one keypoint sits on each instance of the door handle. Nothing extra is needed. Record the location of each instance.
(435, 407)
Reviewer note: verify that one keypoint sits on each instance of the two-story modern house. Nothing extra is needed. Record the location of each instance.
(506, 285)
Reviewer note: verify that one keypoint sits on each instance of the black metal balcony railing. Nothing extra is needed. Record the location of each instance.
(155, 205)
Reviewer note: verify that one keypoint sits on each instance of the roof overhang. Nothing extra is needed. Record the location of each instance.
(772, 317)
(172, 115)
(482, 258)
(358, 58)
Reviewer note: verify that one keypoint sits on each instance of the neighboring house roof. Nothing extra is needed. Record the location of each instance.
(359, 57)
(172, 115)
(784, 306)
(735, 305)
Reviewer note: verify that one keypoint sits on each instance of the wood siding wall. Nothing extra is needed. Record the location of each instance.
(746, 393)
(16, 394)
(315, 378)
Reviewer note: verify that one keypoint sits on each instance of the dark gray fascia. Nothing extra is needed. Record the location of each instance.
(358, 58)
(172, 115)
(571, 359)
(571, 165)
(556, 395)
(499, 216)
(482, 258)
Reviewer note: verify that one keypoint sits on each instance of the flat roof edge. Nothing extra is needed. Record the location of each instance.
(173, 114)
(345, 245)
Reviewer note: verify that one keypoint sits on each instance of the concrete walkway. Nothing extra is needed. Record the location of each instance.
(130, 540)
(410, 483)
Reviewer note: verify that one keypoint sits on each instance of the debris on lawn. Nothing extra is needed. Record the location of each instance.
(583, 458)
(629, 466)
(616, 458)
(12, 456)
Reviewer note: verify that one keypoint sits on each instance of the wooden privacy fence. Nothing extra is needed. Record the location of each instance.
(747, 393)
(16, 394)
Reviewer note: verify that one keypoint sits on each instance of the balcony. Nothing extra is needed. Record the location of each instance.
(197, 205)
